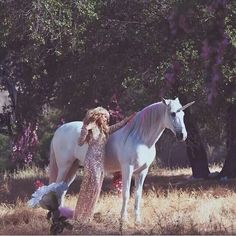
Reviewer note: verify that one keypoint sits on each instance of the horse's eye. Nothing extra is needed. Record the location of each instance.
(173, 114)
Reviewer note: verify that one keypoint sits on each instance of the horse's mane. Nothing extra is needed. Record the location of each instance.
(141, 126)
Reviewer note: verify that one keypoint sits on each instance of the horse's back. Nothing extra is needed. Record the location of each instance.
(66, 148)
(65, 143)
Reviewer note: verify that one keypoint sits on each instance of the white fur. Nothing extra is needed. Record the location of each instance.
(130, 149)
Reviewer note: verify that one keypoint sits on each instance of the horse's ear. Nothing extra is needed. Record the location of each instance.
(185, 106)
(177, 99)
(164, 101)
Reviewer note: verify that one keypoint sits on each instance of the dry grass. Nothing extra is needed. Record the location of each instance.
(172, 204)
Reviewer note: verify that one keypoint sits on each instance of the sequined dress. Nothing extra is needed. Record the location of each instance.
(93, 172)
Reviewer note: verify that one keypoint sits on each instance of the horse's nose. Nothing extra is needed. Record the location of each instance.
(180, 136)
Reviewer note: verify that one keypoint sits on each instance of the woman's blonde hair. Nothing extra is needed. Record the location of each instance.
(97, 115)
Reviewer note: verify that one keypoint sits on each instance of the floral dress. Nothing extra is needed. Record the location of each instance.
(93, 172)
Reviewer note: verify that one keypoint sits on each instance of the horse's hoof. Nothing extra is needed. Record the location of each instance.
(124, 219)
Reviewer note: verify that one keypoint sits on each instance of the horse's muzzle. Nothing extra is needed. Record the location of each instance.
(180, 136)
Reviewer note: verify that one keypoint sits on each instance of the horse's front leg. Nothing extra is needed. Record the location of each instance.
(139, 179)
(127, 172)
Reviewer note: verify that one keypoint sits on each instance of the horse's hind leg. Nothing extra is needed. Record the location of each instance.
(53, 169)
(64, 172)
(70, 177)
(139, 179)
(72, 172)
(127, 172)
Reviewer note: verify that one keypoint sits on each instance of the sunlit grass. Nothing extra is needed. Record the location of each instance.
(27, 172)
(200, 207)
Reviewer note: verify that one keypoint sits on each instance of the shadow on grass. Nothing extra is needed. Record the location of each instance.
(184, 183)
(12, 190)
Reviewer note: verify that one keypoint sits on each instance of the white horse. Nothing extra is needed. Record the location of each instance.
(130, 149)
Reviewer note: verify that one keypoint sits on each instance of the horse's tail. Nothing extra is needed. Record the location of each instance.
(53, 169)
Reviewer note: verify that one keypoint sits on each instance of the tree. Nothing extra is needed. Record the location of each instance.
(195, 149)
(73, 55)
(229, 168)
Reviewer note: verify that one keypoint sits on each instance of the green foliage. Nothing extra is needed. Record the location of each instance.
(5, 150)
(73, 55)
(47, 126)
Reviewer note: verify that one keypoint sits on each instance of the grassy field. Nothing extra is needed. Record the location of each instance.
(172, 204)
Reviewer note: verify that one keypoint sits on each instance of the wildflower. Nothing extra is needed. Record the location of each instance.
(117, 182)
(38, 184)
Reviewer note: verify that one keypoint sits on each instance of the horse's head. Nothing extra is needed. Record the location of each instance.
(174, 119)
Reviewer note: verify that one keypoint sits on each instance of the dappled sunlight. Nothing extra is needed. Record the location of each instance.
(202, 207)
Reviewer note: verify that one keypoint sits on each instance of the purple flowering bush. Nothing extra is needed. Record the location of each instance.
(25, 144)
(211, 38)
(115, 110)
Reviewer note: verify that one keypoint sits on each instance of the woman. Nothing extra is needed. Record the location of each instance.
(95, 132)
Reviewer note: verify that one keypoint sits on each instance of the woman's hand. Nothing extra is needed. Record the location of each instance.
(91, 125)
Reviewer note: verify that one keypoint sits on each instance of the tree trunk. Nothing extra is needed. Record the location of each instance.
(195, 149)
(229, 168)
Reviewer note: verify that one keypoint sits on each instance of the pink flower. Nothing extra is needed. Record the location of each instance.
(117, 182)
(38, 184)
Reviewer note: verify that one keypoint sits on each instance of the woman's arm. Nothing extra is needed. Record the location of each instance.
(84, 132)
(83, 135)
(120, 124)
